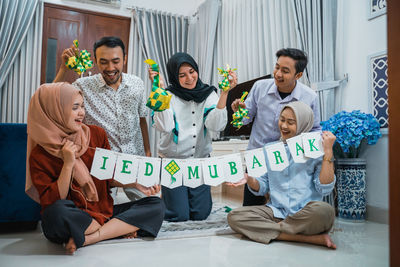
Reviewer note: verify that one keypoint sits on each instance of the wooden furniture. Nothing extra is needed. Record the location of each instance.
(393, 9)
(234, 94)
(229, 147)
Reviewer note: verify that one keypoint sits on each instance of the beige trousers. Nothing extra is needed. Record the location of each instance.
(259, 224)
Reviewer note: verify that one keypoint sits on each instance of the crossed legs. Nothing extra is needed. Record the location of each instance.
(309, 225)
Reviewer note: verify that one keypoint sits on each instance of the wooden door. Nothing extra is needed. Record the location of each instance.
(62, 25)
(60, 28)
(99, 26)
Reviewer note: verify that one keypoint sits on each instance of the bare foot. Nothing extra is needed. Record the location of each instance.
(131, 235)
(328, 241)
(92, 238)
(70, 247)
(321, 240)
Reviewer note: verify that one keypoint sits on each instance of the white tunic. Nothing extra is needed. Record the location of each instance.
(194, 137)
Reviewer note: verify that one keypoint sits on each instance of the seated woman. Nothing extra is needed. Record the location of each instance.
(195, 110)
(295, 211)
(77, 209)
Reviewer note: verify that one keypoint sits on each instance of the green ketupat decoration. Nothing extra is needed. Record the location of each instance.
(80, 62)
(159, 98)
(241, 113)
(172, 168)
(227, 209)
(224, 84)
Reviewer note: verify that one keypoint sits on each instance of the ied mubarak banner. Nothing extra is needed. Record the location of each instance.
(193, 172)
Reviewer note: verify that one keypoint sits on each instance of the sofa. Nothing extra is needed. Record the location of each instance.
(18, 212)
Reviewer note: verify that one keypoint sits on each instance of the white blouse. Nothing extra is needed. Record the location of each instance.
(193, 123)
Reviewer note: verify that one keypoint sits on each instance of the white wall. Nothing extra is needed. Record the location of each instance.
(181, 7)
(361, 38)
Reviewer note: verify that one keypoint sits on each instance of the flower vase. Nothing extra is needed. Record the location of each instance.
(351, 195)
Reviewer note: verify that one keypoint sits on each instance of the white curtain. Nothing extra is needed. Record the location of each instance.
(202, 39)
(250, 32)
(339, 54)
(20, 56)
(156, 35)
(316, 24)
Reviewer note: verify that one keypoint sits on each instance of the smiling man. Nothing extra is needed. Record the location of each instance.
(266, 99)
(114, 100)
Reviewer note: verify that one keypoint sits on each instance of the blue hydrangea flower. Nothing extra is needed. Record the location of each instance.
(352, 130)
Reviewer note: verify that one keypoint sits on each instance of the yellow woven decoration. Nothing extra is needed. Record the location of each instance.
(159, 98)
(80, 62)
(224, 84)
(241, 113)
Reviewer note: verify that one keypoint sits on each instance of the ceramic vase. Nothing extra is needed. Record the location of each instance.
(351, 194)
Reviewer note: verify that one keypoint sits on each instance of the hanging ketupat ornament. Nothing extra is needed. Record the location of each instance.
(159, 98)
(224, 84)
(80, 62)
(172, 168)
(240, 114)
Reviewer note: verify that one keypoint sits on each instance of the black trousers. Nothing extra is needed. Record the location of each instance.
(249, 199)
(63, 220)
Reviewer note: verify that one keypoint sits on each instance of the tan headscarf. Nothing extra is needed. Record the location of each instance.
(304, 116)
(48, 115)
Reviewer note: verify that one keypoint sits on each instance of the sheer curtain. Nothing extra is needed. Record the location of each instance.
(156, 35)
(250, 32)
(243, 34)
(202, 38)
(316, 23)
(20, 50)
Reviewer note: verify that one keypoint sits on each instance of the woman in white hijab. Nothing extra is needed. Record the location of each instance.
(295, 211)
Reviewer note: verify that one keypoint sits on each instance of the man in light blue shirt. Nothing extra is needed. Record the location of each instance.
(266, 99)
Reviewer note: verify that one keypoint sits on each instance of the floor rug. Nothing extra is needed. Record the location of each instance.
(215, 224)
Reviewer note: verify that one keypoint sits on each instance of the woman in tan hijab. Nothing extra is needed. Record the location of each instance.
(77, 209)
(295, 211)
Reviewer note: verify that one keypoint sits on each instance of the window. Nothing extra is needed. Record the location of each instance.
(378, 84)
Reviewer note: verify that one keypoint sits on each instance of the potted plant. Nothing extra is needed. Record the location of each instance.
(354, 131)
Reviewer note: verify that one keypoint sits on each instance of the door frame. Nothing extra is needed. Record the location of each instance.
(393, 28)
